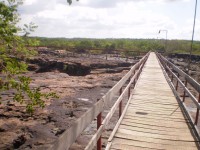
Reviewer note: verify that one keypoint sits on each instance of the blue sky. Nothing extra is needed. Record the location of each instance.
(112, 18)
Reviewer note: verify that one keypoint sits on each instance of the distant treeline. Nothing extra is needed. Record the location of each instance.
(125, 46)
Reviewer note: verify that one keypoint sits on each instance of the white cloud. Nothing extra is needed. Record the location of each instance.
(29, 2)
(107, 19)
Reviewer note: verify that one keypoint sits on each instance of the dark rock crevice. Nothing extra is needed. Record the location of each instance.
(185, 56)
(72, 69)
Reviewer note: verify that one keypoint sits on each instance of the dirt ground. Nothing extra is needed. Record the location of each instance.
(19, 130)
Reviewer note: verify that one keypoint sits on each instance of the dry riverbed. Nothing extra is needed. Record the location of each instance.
(77, 92)
(79, 81)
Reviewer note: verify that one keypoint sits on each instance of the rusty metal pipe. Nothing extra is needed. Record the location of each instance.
(184, 91)
(120, 104)
(99, 117)
(172, 78)
(177, 83)
(129, 92)
(197, 113)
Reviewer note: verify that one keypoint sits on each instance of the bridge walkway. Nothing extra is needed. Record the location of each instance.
(152, 118)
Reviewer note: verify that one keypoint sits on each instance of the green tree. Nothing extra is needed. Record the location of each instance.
(120, 44)
(83, 46)
(13, 54)
(109, 48)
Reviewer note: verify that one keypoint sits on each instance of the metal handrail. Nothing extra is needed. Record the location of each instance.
(69, 136)
(101, 126)
(172, 70)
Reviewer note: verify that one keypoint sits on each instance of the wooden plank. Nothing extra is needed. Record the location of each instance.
(154, 140)
(149, 102)
(154, 81)
(130, 148)
(116, 88)
(152, 106)
(177, 125)
(146, 145)
(153, 94)
(96, 136)
(154, 99)
(152, 91)
(69, 136)
(197, 134)
(161, 132)
(154, 113)
(127, 147)
(155, 144)
(138, 116)
(147, 126)
(153, 87)
(150, 110)
(153, 119)
(170, 102)
(179, 117)
(137, 100)
(146, 97)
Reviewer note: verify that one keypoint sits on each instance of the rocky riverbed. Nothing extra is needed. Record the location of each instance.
(181, 60)
(78, 80)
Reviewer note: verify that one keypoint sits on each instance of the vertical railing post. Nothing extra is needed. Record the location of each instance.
(197, 113)
(129, 92)
(172, 78)
(129, 80)
(139, 71)
(177, 83)
(133, 83)
(120, 104)
(98, 125)
(184, 91)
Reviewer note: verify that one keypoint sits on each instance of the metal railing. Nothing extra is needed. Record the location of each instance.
(69, 136)
(176, 76)
(101, 125)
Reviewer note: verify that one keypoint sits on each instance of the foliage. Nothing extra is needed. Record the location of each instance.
(109, 48)
(83, 46)
(128, 46)
(14, 50)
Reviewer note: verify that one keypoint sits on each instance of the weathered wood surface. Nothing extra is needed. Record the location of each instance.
(153, 118)
(69, 136)
(106, 120)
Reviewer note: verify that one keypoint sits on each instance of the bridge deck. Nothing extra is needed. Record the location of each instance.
(153, 119)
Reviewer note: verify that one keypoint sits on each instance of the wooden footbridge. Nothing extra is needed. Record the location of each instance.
(155, 116)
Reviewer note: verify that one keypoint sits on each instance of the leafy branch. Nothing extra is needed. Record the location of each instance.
(14, 50)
